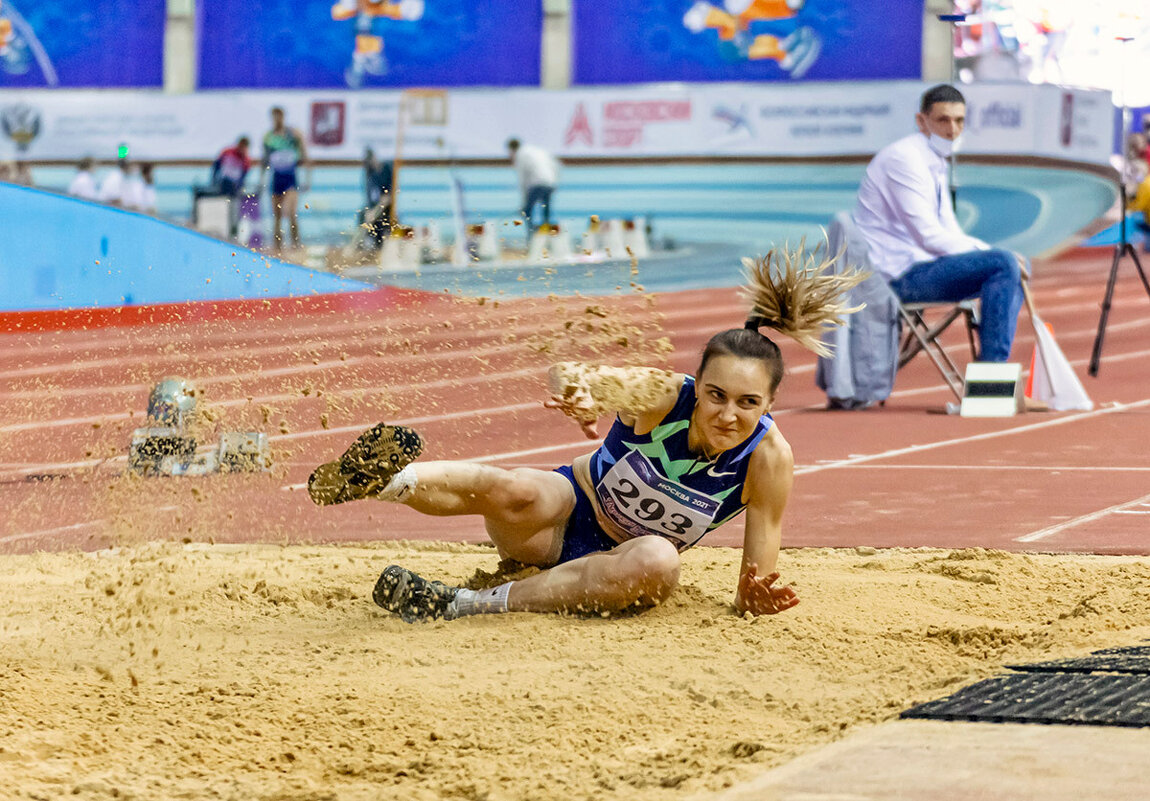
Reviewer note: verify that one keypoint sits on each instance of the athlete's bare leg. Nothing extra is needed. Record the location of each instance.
(290, 210)
(524, 509)
(277, 222)
(640, 572)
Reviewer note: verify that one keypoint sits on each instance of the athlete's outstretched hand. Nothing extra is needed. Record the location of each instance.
(577, 412)
(571, 394)
(757, 596)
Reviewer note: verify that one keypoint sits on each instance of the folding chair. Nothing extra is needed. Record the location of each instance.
(921, 334)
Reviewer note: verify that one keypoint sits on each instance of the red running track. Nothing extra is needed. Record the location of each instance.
(469, 375)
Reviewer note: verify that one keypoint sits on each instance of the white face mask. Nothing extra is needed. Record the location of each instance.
(943, 147)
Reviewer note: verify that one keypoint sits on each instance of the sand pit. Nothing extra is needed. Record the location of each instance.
(264, 672)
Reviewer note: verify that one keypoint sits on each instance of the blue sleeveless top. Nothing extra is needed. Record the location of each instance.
(651, 484)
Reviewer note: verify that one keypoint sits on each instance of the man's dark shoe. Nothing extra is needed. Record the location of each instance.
(365, 468)
(411, 596)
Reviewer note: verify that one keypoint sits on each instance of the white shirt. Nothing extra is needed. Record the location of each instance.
(148, 199)
(112, 186)
(132, 194)
(83, 186)
(535, 167)
(904, 209)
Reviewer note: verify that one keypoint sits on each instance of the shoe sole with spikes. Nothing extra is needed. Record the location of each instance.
(412, 597)
(366, 467)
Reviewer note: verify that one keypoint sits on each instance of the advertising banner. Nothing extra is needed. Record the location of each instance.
(357, 43)
(807, 120)
(620, 41)
(82, 43)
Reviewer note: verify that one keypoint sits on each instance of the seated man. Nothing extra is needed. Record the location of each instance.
(906, 216)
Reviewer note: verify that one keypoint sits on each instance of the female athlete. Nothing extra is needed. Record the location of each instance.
(683, 456)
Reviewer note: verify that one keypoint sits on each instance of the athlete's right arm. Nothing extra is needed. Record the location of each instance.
(585, 392)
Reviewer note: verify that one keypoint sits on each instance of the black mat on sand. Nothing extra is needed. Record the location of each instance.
(1109, 688)
(1110, 660)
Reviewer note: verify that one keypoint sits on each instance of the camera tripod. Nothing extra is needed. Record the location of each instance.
(1122, 249)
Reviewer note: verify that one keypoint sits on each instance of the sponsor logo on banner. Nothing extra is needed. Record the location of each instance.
(624, 121)
(736, 120)
(579, 129)
(998, 115)
(328, 122)
(20, 123)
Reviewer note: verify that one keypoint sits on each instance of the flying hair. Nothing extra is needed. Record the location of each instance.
(794, 291)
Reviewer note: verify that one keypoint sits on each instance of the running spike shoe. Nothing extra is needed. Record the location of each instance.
(411, 596)
(365, 468)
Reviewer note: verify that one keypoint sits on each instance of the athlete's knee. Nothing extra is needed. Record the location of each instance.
(653, 563)
(515, 491)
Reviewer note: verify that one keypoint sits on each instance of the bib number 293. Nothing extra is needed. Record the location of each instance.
(641, 501)
(650, 510)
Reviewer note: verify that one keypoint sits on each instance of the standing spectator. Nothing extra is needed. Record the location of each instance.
(113, 183)
(538, 173)
(132, 196)
(229, 171)
(231, 168)
(376, 215)
(83, 183)
(284, 152)
(147, 196)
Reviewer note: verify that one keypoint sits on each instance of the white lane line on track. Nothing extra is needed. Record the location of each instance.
(319, 337)
(48, 532)
(281, 398)
(364, 326)
(1043, 533)
(1070, 418)
(495, 457)
(410, 421)
(357, 328)
(23, 469)
(15, 427)
(154, 359)
(1008, 467)
(300, 369)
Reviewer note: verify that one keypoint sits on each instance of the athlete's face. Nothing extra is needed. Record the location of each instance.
(731, 395)
(943, 119)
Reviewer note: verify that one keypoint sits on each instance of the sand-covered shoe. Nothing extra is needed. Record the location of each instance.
(366, 467)
(411, 596)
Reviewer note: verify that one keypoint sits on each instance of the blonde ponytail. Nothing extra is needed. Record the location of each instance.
(792, 291)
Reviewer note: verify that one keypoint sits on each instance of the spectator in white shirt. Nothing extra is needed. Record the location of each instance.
(113, 184)
(148, 189)
(139, 190)
(83, 183)
(538, 173)
(905, 213)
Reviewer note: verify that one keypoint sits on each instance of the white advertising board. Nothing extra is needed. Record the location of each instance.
(619, 122)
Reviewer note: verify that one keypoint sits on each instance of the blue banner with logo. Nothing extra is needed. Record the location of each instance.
(368, 43)
(621, 41)
(82, 43)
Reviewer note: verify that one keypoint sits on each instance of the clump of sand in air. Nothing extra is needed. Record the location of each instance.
(592, 390)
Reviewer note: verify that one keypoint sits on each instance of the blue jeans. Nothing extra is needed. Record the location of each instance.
(537, 196)
(991, 275)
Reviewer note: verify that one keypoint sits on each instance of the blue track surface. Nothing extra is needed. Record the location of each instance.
(745, 207)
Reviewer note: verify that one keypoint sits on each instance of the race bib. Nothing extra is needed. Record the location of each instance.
(640, 501)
